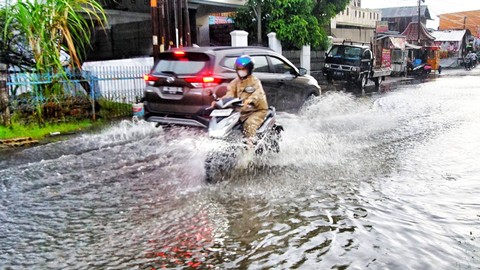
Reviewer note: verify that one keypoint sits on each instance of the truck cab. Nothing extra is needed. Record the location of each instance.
(353, 62)
(348, 63)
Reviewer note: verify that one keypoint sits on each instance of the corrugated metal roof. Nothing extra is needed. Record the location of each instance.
(399, 12)
(449, 35)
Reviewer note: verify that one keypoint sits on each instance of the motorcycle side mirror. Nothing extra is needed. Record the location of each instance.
(250, 89)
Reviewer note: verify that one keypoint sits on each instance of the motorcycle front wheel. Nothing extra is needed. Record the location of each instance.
(219, 164)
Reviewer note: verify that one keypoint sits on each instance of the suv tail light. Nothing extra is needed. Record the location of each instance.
(150, 79)
(203, 82)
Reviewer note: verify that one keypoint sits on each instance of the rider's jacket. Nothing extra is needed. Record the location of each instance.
(255, 101)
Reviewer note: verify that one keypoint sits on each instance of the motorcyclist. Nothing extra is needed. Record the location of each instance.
(468, 60)
(473, 56)
(248, 88)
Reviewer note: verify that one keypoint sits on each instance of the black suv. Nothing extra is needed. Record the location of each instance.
(180, 84)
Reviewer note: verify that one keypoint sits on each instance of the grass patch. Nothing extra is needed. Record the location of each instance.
(37, 132)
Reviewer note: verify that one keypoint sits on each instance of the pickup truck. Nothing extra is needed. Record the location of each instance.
(355, 62)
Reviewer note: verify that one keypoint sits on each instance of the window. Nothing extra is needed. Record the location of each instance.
(281, 67)
(261, 64)
(190, 63)
(367, 54)
(229, 62)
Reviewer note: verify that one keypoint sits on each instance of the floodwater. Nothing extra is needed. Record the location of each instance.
(386, 180)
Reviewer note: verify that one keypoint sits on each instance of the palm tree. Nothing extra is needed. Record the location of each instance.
(49, 27)
(54, 25)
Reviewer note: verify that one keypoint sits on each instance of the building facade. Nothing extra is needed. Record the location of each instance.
(467, 20)
(399, 18)
(355, 23)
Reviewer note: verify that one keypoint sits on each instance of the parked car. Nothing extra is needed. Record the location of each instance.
(180, 85)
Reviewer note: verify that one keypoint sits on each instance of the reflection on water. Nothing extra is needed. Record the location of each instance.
(385, 181)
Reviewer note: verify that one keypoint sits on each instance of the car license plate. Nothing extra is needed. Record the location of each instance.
(172, 90)
(338, 73)
(221, 112)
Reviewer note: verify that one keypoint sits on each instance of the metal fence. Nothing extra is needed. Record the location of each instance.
(108, 86)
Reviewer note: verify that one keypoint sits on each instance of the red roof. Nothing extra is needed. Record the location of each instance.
(411, 32)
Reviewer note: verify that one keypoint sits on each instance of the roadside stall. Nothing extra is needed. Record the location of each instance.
(433, 58)
(452, 45)
(398, 55)
(391, 50)
(420, 43)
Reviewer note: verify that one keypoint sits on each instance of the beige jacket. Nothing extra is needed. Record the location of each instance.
(257, 99)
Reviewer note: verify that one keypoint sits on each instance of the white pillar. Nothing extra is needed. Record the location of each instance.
(305, 58)
(274, 43)
(239, 38)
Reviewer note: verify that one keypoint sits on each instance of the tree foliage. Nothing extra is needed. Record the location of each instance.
(13, 48)
(47, 27)
(296, 22)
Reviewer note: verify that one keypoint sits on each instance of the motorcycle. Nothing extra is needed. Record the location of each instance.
(418, 69)
(225, 125)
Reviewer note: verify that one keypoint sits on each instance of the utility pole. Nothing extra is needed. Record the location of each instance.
(155, 29)
(170, 25)
(186, 15)
(168, 29)
(259, 23)
(180, 25)
(175, 21)
(418, 24)
(158, 27)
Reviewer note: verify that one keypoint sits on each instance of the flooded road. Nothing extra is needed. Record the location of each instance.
(387, 180)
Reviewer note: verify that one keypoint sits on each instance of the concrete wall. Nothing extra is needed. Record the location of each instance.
(122, 41)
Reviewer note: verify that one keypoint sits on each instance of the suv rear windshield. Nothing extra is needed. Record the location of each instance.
(181, 64)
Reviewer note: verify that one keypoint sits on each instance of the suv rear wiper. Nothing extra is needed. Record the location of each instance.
(168, 72)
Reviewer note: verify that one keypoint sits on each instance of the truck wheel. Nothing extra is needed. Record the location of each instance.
(378, 81)
(329, 79)
(362, 82)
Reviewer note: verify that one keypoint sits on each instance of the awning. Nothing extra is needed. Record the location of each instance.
(398, 43)
(411, 46)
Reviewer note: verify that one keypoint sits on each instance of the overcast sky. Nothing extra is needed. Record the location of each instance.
(434, 6)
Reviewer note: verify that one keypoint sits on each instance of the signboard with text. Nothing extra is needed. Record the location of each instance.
(219, 20)
(386, 58)
(381, 26)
